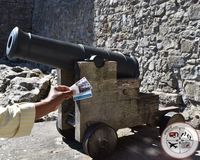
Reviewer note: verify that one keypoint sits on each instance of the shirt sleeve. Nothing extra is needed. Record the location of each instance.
(17, 120)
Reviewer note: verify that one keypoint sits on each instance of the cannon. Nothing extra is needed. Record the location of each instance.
(64, 54)
(116, 102)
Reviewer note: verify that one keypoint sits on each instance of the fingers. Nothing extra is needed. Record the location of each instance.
(62, 88)
(67, 94)
(63, 91)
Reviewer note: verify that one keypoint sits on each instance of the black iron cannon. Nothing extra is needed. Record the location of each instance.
(116, 101)
(72, 59)
(64, 54)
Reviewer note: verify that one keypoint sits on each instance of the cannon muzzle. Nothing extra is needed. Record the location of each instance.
(64, 54)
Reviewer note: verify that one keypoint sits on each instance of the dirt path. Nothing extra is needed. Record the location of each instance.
(45, 143)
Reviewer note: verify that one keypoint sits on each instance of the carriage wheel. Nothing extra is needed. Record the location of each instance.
(68, 134)
(169, 118)
(99, 141)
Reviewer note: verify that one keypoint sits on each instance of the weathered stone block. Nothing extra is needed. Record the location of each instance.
(186, 46)
(90, 71)
(176, 61)
(194, 12)
(192, 89)
(154, 2)
(190, 72)
(191, 115)
(20, 84)
(169, 99)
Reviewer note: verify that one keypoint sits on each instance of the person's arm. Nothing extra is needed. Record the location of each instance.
(54, 99)
(17, 120)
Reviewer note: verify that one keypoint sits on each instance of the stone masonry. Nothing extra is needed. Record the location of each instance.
(163, 34)
(14, 13)
(64, 20)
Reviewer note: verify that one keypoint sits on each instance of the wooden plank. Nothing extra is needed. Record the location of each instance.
(65, 77)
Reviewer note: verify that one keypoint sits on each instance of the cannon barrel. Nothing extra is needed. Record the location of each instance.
(64, 55)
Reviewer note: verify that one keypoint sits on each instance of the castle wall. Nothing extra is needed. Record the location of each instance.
(163, 35)
(14, 13)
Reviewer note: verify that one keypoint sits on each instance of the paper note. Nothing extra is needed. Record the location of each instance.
(82, 89)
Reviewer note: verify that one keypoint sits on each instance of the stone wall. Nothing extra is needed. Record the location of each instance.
(14, 13)
(65, 20)
(164, 35)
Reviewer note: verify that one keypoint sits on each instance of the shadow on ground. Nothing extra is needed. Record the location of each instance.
(141, 143)
(45, 143)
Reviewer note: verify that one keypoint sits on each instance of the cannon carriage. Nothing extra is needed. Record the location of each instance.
(116, 102)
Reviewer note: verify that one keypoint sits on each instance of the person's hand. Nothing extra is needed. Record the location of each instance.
(56, 96)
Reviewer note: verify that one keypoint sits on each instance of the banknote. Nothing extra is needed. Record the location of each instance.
(82, 89)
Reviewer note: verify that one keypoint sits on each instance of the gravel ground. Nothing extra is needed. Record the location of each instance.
(45, 143)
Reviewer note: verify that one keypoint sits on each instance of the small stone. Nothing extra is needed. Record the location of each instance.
(186, 46)
(191, 61)
(151, 66)
(194, 13)
(192, 90)
(17, 69)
